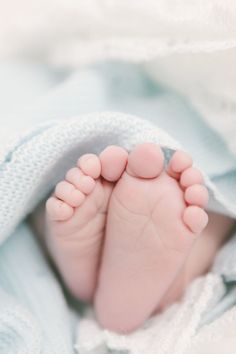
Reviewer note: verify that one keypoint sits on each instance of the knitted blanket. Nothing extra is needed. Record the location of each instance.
(30, 294)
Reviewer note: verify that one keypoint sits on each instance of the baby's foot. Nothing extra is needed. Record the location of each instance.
(76, 217)
(153, 220)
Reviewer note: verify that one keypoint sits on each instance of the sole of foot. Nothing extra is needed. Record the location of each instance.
(155, 216)
(76, 216)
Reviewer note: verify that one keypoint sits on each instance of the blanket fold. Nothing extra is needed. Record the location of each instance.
(34, 316)
(31, 168)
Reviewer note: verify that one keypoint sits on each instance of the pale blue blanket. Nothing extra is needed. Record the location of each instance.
(34, 316)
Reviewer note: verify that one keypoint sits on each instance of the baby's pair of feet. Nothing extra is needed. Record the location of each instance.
(120, 227)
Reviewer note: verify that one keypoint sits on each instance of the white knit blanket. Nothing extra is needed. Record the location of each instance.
(30, 167)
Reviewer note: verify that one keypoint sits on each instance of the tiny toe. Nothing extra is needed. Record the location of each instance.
(191, 176)
(69, 194)
(195, 218)
(146, 161)
(179, 162)
(197, 194)
(90, 164)
(86, 184)
(58, 210)
(113, 161)
(82, 182)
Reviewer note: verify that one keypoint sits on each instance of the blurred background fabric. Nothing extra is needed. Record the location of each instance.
(197, 38)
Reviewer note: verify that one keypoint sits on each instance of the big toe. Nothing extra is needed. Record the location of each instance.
(145, 161)
(113, 161)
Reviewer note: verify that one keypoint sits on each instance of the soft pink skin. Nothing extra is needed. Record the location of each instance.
(150, 231)
(76, 217)
(152, 219)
